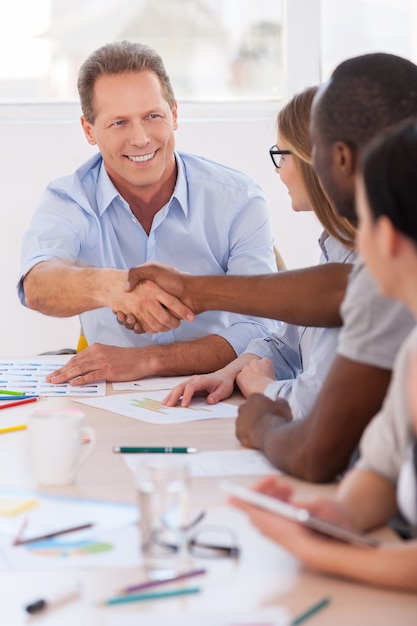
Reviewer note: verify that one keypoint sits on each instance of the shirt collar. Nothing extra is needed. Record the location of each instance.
(180, 191)
(322, 243)
(107, 192)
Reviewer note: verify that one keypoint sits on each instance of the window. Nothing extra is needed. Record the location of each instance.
(214, 50)
(252, 53)
(360, 26)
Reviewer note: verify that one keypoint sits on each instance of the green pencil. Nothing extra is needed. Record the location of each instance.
(138, 597)
(310, 612)
(11, 393)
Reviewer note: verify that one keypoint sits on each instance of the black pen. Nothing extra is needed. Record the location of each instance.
(53, 601)
(145, 450)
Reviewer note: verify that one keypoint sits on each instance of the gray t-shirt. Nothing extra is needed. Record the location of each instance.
(387, 439)
(302, 355)
(374, 327)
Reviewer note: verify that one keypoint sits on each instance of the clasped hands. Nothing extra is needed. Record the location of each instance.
(164, 300)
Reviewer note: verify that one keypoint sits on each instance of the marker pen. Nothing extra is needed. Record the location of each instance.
(150, 450)
(53, 600)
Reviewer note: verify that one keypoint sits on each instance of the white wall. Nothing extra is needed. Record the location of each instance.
(33, 152)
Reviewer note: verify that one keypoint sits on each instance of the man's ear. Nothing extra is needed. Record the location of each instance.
(174, 111)
(344, 158)
(88, 131)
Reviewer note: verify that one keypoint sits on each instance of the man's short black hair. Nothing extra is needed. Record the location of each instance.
(365, 95)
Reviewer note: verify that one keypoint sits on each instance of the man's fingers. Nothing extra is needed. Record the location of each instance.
(152, 310)
(158, 311)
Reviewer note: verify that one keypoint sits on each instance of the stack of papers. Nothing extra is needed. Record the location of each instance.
(28, 376)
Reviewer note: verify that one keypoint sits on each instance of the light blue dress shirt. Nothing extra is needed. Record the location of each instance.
(216, 222)
(302, 355)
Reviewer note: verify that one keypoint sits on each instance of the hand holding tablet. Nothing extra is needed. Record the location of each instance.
(299, 515)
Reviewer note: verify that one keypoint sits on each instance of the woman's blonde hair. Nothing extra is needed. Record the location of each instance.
(293, 125)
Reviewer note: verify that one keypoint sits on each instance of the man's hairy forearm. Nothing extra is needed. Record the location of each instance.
(307, 297)
(63, 289)
(199, 356)
(103, 362)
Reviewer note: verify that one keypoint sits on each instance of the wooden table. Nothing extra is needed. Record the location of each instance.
(264, 576)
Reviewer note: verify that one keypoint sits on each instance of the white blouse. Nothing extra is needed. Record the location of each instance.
(407, 489)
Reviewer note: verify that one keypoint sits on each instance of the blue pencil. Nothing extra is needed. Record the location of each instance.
(151, 596)
(17, 397)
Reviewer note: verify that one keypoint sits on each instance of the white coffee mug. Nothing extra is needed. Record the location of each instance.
(56, 444)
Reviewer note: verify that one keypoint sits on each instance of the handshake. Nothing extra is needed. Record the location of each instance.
(165, 296)
(165, 299)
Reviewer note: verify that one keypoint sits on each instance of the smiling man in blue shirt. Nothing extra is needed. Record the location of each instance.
(139, 200)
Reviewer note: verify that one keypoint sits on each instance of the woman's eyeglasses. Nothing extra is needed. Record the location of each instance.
(205, 541)
(213, 542)
(277, 156)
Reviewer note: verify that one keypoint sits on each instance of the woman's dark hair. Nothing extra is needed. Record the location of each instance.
(389, 170)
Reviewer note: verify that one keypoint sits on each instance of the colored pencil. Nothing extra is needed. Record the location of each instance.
(21, 531)
(310, 612)
(56, 533)
(23, 396)
(6, 405)
(151, 596)
(10, 429)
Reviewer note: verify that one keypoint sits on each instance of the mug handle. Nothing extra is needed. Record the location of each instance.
(87, 432)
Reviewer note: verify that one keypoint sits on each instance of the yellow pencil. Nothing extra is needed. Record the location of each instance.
(10, 429)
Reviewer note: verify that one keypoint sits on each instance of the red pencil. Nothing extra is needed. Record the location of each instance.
(5, 405)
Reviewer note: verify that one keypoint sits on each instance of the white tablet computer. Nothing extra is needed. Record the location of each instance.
(302, 516)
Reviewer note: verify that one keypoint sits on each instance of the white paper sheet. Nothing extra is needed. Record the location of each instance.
(147, 408)
(155, 383)
(231, 594)
(217, 463)
(274, 616)
(17, 416)
(230, 463)
(28, 376)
